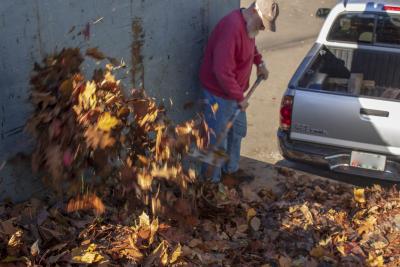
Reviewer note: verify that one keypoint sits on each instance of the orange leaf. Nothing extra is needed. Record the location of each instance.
(85, 202)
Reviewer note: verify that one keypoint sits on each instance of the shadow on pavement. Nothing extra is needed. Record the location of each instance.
(266, 172)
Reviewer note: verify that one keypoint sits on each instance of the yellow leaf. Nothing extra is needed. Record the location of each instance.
(340, 238)
(359, 195)
(145, 181)
(176, 254)
(153, 230)
(367, 226)
(87, 98)
(88, 255)
(251, 213)
(192, 174)
(214, 108)
(164, 258)
(307, 214)
(144, 220)
(325, 242)
(107, 122)
(109, 77)
(341, 250)
(375, 261)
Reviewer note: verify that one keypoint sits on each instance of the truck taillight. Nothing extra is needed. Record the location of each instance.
(286, 112)
(391, 8)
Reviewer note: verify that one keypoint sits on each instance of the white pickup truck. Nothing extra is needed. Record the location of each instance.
(342, 106)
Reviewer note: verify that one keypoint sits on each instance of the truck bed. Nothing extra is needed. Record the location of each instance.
(357, 72)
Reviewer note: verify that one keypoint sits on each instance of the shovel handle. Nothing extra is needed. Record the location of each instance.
(232, 119)
(253, 88)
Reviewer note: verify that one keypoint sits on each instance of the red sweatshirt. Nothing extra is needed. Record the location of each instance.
(228, 58)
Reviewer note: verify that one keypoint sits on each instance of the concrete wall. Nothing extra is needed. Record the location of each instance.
(160, 40)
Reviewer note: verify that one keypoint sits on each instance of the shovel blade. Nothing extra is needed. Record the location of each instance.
(214, 157)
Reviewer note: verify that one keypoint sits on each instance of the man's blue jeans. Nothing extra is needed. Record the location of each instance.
(217, 122)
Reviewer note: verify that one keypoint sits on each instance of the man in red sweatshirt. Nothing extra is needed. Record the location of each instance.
(225, 74)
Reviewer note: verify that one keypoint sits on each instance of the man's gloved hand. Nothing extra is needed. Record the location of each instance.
(262, 71)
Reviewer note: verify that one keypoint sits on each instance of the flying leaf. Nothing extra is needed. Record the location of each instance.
(87, 98)
(95, 53)
(107, 122)
(214, 108)
(85, 202)
(66, 88)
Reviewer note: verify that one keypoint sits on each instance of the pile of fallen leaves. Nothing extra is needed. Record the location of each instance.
(91, 138)
(303, 222)
(33, 234)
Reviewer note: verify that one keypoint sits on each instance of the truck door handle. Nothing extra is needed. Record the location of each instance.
(374, 112)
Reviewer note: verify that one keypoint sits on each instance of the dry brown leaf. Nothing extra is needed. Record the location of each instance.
(35, 251)
(95, 53)
(7, 227)
(317, 252)
(54, 162)
(194, 243)
(86, 202)
(285, 261)
(66, 88)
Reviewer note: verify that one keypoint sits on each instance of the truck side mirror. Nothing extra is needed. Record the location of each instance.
(323, 12)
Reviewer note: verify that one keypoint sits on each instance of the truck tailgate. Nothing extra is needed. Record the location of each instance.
(357, 123)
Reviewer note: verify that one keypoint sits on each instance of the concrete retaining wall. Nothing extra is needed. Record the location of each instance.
(160, 40)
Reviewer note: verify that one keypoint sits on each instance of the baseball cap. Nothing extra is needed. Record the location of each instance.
(268, 10)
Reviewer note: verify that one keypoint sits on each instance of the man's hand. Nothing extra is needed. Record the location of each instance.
(243, 105)
(262, 71)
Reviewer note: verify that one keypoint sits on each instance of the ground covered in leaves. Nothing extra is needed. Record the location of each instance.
(125, 193)
(304, 223)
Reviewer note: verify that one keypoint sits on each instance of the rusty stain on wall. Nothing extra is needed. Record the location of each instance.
(39, 32)
(137, 57)
(86, 32)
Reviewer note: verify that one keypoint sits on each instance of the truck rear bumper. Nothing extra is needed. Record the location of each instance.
(335, 158)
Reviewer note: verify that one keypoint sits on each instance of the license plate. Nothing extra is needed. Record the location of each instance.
(368, 161)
